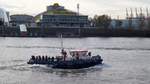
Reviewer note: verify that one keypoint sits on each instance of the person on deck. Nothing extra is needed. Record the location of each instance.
(89, 54)
(64, 54)
(33, 57)
(77, 56)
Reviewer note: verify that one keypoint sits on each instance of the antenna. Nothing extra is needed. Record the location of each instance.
(136, 11)
(127, 15)
(131, 13)
(78, 8)
(147, 11)
(141, 12)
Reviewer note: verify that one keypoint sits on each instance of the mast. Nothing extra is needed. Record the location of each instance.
(141, 13)
(136, 11)
(131, 16)
(78, 8)
(147, 12)
(127, 14)
(61, 38)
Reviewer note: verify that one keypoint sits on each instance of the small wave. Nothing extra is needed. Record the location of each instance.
(129, 49)
(102, 48)
(106, 65)
(3, 67)
(18, 60)
(41, 68)
(31, 47)
(37, 47)
(20, 67)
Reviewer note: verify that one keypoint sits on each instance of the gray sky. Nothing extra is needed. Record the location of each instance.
(88, 7)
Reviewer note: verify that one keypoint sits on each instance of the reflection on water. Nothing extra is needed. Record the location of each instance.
(126, 61)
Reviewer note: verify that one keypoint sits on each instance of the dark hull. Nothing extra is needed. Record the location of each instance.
(72, 64)
(76, 64)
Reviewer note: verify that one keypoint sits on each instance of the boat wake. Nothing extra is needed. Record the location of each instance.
(20, 65)
(101, 48)
(17, 65)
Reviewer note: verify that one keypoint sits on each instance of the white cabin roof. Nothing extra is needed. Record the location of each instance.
(79, 50)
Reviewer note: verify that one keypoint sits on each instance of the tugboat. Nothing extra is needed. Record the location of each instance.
(76, 60)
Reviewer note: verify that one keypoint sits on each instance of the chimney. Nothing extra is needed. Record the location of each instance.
(78, 8)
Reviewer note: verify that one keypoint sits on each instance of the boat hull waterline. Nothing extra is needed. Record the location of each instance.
(69, 64)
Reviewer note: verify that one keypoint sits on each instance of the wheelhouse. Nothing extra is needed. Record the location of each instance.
(78, 53)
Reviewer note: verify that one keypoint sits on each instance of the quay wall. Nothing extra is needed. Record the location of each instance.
(71, 32)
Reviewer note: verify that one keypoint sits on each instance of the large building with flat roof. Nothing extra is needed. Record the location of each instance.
(57, 16)
(19, 19)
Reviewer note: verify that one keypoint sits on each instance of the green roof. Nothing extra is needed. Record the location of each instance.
(55, 12)
(61, 12)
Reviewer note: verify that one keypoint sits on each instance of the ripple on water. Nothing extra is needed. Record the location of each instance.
(19, 65)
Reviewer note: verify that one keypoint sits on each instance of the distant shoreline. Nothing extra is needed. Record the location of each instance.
(72, 32)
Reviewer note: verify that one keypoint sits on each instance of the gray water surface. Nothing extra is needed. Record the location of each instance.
(126, 61)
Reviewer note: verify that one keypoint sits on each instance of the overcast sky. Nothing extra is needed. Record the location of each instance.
(88, 7)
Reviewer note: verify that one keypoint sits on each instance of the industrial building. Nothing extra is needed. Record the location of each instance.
(140, 19)
(57, 16)
(19, 19)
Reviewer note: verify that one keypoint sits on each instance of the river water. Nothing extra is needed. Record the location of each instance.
(126, 61)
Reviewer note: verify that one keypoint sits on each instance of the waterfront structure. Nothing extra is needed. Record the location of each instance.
(57, 16)
(138, 21)
(64, 21)
(17, 20)
(133, 23)
(4, 17)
